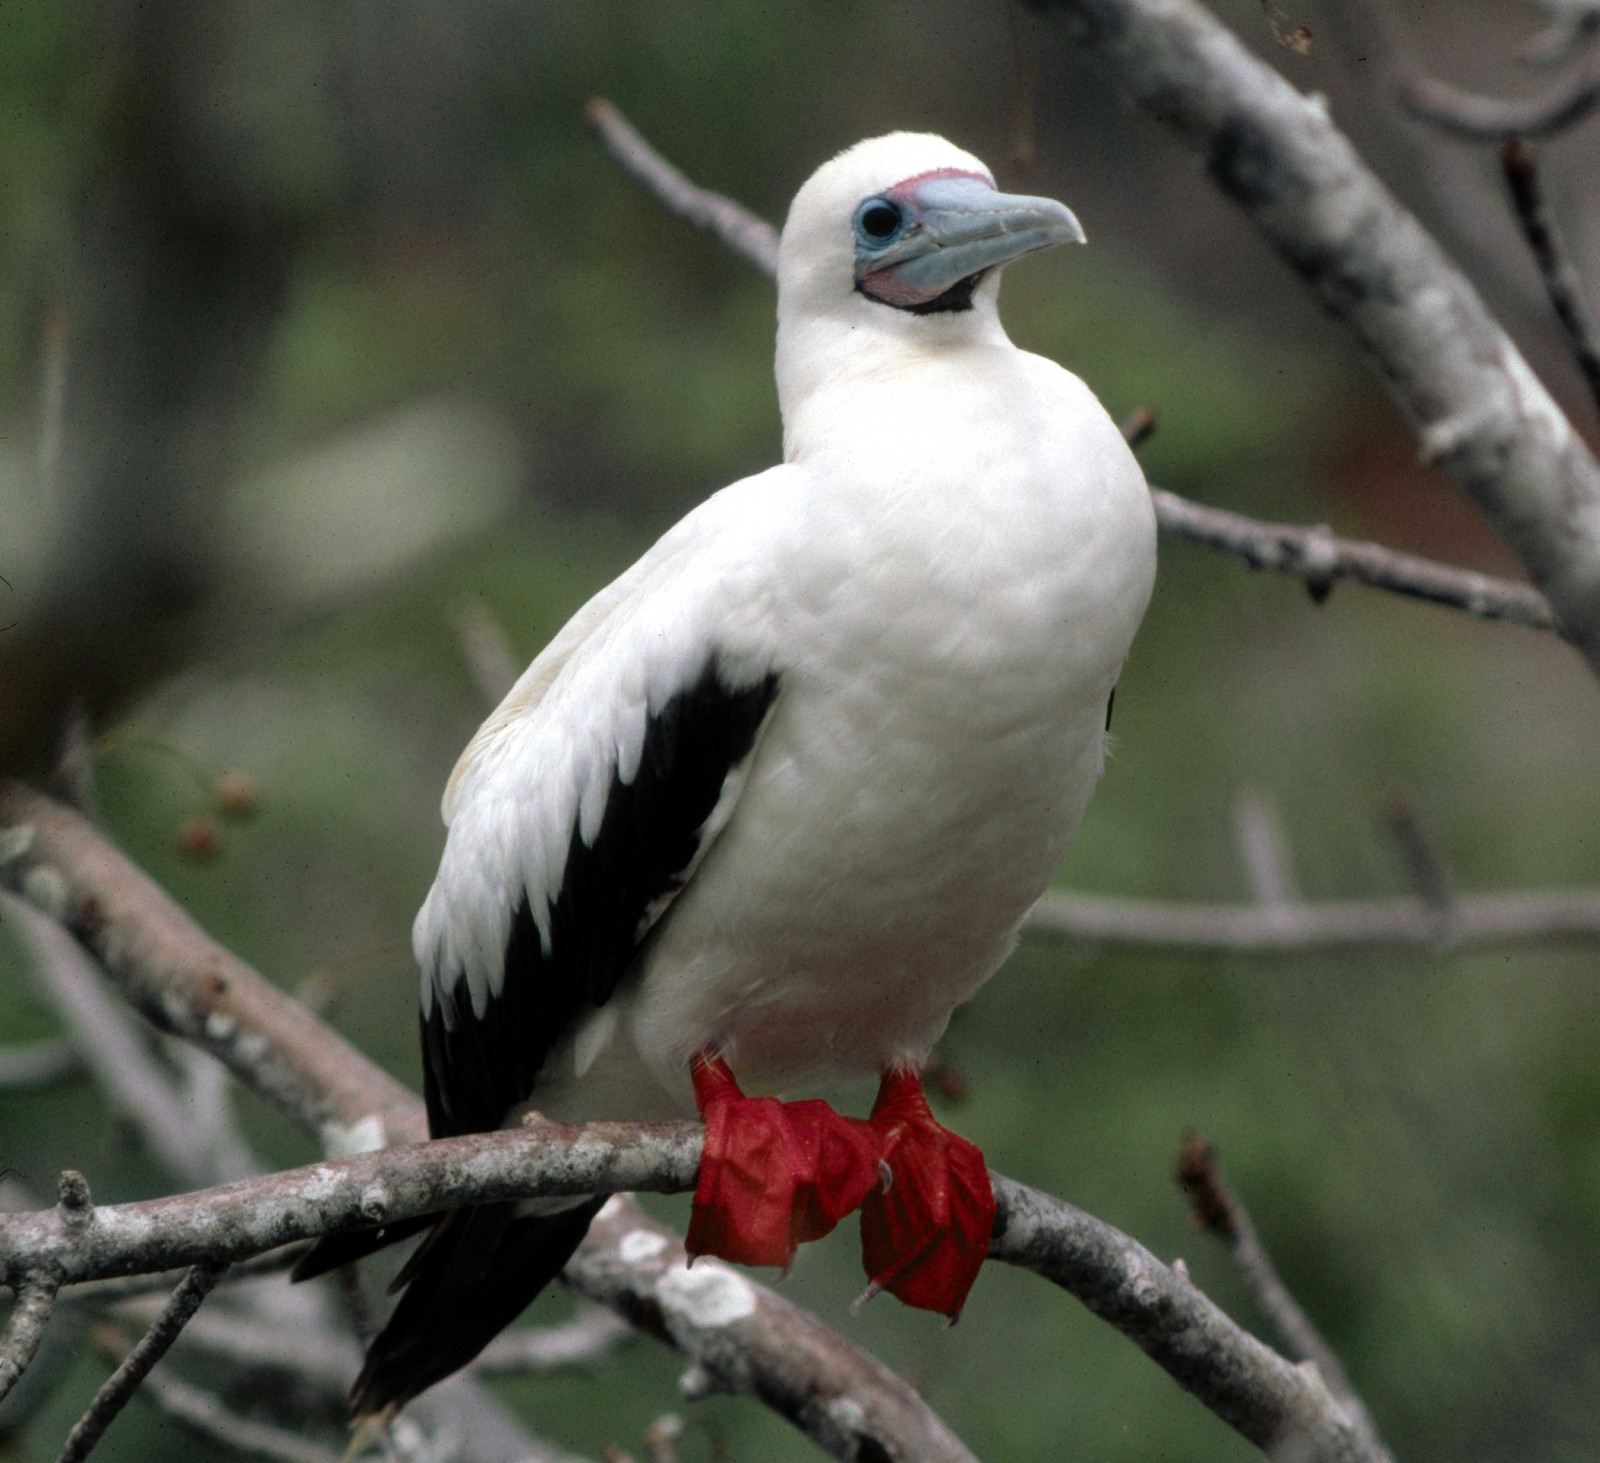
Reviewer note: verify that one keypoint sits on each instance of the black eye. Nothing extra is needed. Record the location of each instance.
(878, 220)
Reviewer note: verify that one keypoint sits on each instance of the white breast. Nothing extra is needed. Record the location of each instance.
(955, 581)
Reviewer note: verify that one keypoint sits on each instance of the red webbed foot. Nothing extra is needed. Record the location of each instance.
(775, 1174)
(924, 1236)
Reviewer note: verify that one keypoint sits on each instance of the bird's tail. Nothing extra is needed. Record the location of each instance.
(471, 1277)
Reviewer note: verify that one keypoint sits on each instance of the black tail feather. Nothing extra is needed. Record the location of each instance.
(472, 1277)
(334, 1250)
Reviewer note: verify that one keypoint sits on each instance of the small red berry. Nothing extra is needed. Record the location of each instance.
(199, 839)
(237, 794)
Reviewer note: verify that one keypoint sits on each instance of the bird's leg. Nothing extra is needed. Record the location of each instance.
(774, 1174)
(925, 1234)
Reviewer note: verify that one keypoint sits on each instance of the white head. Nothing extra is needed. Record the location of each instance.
(896, 245)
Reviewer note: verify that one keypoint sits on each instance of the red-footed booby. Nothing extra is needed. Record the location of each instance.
(776, 801)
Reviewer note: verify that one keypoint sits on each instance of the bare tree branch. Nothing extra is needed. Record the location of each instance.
(37, 1064)
(1311, 554)
(1478, 410)
(1521, 167)
(120, 1386)
(1217, 1208)
(487, 651)
(207, 1416)
(583, 1341)
(324, 1360)
(1429, 872)
(1285, 1410)
(107, 1041)
(737, 1334)
(1571, 21)
(1353, 924)
(1321, 558)
(742, 231)
(159, 1282)
(742, 1339)
(35, 1299)
(185, 983)
(1264, 849)
(240, 1220)
(1488, 119)
(188, 983)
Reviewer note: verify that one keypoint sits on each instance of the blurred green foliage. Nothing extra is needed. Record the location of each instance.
(1419, 1136)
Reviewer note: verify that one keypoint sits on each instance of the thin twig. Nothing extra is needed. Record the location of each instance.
(206, 1415)
(1216, 1208)
(1571, 21)
(135, 1366)
(486, 648)
(357, 1302)
(1303, 928)
(1488, 119)
(324, 1360)
(1320, 558)
(1520, 164)
(1138, 427)
(107, 1041)
(588, 1339)
(1024, 85)
(1429, 872)
(753, 238)
(1313, 555)
(1264, 849)
(30, 1312)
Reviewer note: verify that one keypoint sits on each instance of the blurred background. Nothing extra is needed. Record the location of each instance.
(325, 323)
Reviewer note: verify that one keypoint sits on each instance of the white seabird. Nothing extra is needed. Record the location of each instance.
(776, 801)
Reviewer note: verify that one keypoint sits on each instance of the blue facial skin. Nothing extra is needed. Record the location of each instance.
(951, 229)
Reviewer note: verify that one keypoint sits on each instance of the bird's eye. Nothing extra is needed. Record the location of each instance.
(877, 221)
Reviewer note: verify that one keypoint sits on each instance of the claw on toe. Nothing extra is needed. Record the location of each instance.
(774, 1174)
(925, 1235)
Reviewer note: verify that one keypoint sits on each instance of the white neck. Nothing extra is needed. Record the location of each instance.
(860, 342)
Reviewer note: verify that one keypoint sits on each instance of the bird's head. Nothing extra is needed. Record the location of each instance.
(903, 236)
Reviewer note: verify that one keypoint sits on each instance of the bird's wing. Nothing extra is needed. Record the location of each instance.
(585, 804)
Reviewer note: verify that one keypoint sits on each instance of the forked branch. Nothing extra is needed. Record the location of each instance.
(737, 1335)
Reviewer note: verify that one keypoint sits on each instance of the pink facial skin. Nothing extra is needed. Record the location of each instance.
(885, 284)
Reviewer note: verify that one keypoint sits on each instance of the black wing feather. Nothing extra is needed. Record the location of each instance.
(476, 1069)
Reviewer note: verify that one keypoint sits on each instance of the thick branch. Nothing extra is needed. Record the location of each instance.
(186, 982)
(1355, 924)
(1284, 1409)
(745, 1339)
(30, 1313)
(1477, 408)
(238, 1221)
(742, 1338)
(1311, 554)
